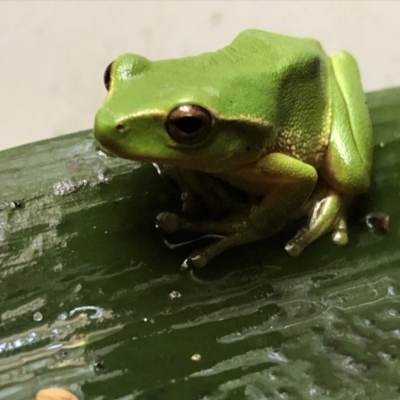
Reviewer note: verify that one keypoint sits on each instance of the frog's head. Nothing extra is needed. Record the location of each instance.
(175, 112)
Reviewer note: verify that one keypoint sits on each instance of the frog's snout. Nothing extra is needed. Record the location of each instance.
(106, 127)
(107, 130)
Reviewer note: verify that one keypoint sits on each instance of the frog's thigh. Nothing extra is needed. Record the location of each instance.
(289, 183)
(349, 155)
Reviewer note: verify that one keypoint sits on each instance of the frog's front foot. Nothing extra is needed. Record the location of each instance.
(169, 222)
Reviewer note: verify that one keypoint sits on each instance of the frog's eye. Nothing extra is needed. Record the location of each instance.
(188, 124)
(107, 76)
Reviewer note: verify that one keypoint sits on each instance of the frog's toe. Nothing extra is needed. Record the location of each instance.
(296, 245)
(169, 222)
(198, 259)
(340, 238)
(293, 249)
(339, 234)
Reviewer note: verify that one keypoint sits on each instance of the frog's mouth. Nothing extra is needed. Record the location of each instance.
(100, 147)
(111, 149)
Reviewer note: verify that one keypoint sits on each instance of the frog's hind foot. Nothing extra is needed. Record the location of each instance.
(233, 233)
(199, 258)
(327, 214)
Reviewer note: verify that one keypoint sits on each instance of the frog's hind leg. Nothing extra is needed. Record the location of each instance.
(200, 258)
(348, 159)
(228, 228)
(289, 182)
(327, 212)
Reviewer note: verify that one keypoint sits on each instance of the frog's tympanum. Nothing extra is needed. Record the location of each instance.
(261, 132)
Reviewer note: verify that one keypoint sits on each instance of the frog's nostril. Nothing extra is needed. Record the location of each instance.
(119, 127)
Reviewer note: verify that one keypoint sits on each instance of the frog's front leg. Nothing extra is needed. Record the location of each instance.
(286, 183)
(326, 210)
(202, 195)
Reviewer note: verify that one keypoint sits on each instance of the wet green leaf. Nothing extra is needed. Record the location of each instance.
(92, 300)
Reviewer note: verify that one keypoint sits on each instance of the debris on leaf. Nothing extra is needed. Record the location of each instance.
(196, 357)
(378, 222)
(55, 394)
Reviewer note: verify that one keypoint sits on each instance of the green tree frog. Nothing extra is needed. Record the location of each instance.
(259, 133)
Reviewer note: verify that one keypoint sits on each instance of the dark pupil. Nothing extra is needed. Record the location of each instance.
(189, 125)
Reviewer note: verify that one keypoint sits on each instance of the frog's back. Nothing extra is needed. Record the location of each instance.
(292, 89)
(263, 44)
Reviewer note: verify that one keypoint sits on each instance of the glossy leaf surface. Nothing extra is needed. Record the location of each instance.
(92, 300)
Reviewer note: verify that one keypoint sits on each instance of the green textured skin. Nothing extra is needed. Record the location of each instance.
(322, 326)
(259, 81)
(285, 115)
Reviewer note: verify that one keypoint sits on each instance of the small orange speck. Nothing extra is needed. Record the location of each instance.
(55, 394)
